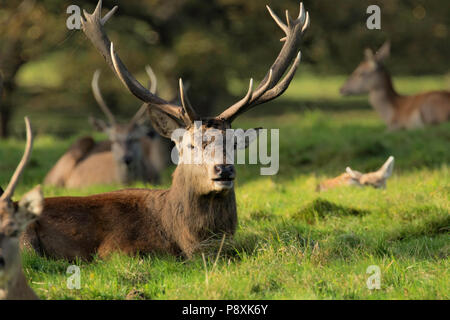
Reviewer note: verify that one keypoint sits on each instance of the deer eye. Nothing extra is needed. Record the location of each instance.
(190, 146)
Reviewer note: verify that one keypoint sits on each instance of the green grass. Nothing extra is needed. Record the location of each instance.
(292, 242)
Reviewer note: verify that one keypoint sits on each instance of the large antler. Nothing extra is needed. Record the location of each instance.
(23, 162)
(271, 87)
(101, 102)
(92, 26)
(153, 85)
(99, 98)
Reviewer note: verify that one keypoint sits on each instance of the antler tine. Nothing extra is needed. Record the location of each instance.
(263, 86)
(138, 115)
(108, 15)
(92, 26)
(23, 162)
(277, 20)
(273, 85)
(282, 86)
(301, 13)
(247, 102)
(99, 98)
(187, 107)
(153, 80)
(139, 91)
(153, 83)
(306, 23)
(293, 30)
(233, 110)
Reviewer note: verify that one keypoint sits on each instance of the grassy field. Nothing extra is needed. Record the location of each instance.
(292, 242)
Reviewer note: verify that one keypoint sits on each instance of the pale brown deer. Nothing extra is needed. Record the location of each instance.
(397, 111)
(14, 218)
(129, 154)
(201, 201)
(376, 179)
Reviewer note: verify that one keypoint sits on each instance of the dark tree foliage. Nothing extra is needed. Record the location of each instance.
(47, 68)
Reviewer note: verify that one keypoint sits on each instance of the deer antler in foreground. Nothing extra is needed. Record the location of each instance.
(14, 218)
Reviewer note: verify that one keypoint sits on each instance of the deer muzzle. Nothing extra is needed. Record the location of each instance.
(224, 175)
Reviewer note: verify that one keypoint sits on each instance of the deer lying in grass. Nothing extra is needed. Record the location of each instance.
(14, 218)
(201, 201)
(397, 111)
(351, 177)
(129, 155)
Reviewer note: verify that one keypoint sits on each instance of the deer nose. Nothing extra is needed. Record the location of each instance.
(2, 262)
(127, 159)
(224, 170)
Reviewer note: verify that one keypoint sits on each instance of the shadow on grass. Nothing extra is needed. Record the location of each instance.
(320, 209)
(430, 227)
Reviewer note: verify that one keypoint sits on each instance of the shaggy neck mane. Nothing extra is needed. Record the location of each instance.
(194, 217)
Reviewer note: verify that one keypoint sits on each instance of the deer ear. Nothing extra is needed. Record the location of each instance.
(368, 54)
(163, 123)
(30, 207)
(384, 52)
(98, 124)
(387, 168)
(353, 173)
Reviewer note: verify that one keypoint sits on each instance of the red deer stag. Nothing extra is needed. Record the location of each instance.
(351, 177)
(14, 218)
(201, 201)
(397, 111)
(128, 155)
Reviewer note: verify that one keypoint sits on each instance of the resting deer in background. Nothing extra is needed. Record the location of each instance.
(351, 177)
(397, 111)
(14, 218)
(129, 155)
(201, 201)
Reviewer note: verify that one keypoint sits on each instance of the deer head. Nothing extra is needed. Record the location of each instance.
(213, 176)
(125, 138)
(369, 74)
(375, 179)
(14, 218)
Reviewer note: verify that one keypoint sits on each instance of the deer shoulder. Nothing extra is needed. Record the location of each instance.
(61, 171)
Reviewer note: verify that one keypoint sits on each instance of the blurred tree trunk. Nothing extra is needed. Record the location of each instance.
(12, 59)
(8, 88)
(6, 108)
(3, 126)
(4, 120)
